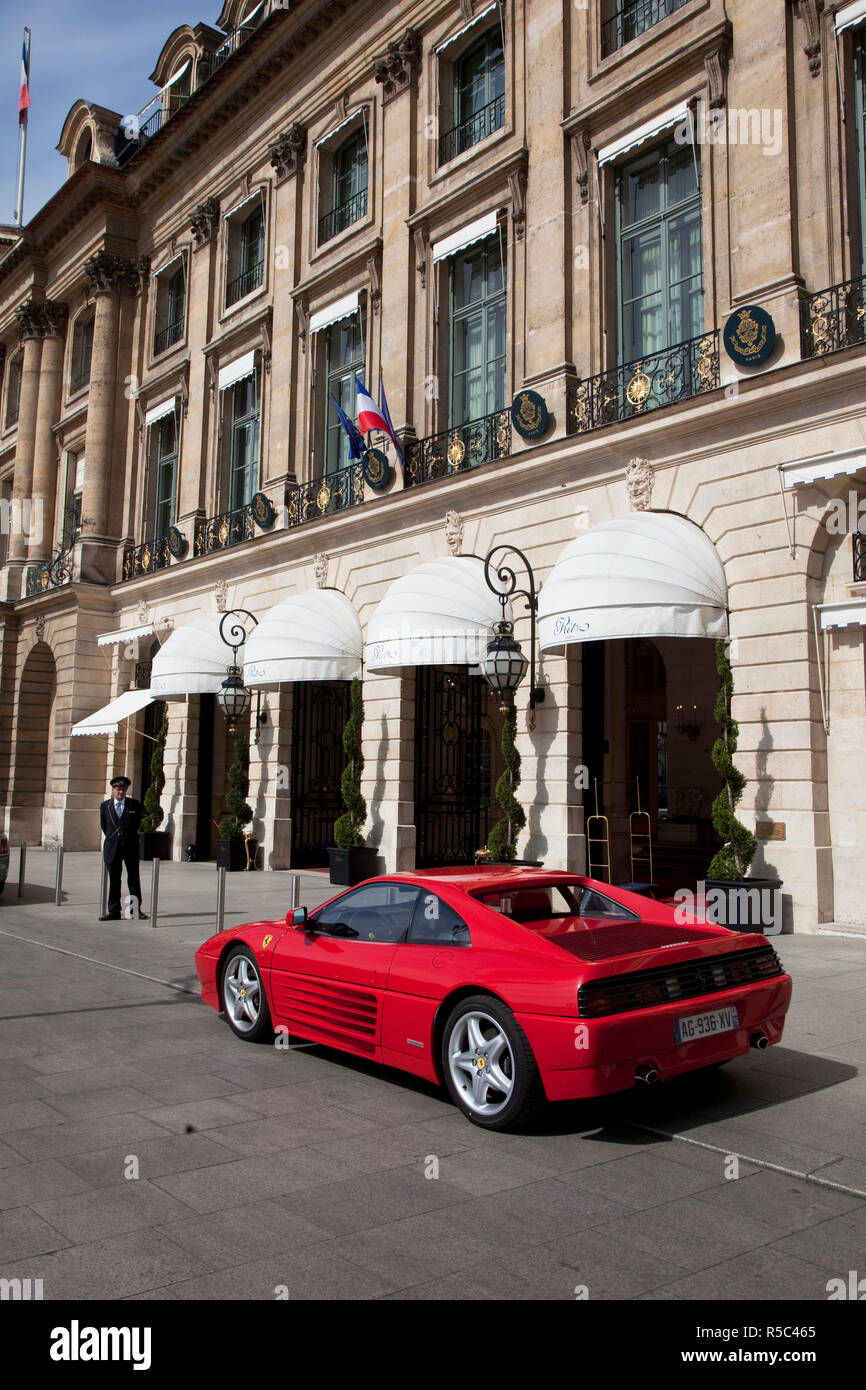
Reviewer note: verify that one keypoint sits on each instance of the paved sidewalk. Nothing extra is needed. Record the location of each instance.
(260, 1169)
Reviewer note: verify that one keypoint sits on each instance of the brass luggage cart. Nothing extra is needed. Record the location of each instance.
(598, 843)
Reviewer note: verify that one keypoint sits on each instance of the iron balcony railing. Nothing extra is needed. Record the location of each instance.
(458, 449)
(322, 496)
(246, 283)
(632, 20)
(235, 40)
(662, 378)
(338, 219)
(49, 574)
(859, 557)
(833, 319)
(142, 559)
(168, 337)
(225, 529)
(473, 130)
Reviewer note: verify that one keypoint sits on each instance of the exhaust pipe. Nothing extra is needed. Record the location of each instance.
(647, 1073)
(760, 1041)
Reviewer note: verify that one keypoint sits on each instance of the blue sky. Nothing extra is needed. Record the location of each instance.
(102, 50)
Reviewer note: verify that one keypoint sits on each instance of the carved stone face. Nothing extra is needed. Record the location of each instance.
(320, 569)
(639, 482)
(453, 532)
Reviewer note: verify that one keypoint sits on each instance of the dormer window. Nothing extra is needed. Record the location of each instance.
(170, 314)
(246, 251)
(85, 149)
(82, 351)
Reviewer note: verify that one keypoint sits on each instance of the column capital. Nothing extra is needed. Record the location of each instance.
(30, 320)
(55, 317)
(112, 274)
(398, 68)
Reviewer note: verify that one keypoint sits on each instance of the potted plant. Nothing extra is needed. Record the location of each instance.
(152, 842)
(502, 839)
(732, 899)
(231, 850)
(350, 858)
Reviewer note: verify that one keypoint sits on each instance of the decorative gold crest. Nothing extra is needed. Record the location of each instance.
(146, 559)
(323, 497)
(456, 451)
(223, 532)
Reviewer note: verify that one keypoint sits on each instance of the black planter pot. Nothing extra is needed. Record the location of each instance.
(745, 904)
(350, 866)
(154, 844)
(231, 854)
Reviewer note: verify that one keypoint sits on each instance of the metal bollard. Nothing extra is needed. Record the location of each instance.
(58, 880)
(296, 881)
(22, 864)
(103, 888)
(221, 899)
(154, 891)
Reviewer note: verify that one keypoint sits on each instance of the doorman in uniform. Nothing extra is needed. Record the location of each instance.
(120, 818)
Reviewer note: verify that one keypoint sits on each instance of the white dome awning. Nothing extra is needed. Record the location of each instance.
(314, 636)
(439, 614)
(107, 719)
(193, 660)
(648, 574)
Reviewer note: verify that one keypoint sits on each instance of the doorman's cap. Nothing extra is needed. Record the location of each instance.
(120, 782)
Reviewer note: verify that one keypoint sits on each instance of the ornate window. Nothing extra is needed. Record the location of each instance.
(478, 96)
(165, 473)
(344, 179)
(344, 359)
(860, 127)
(625, 20)
(478, 332)
(170, 314)
(246, 251)
(244, 436)
(661, 283)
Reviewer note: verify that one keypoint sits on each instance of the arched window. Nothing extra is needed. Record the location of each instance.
(85, 149)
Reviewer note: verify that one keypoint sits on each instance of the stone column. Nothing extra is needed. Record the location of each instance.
(30, 321)
(44, 489)
(109, 275)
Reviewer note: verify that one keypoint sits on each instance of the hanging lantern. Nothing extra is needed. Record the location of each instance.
(234, 699)
(504, 664)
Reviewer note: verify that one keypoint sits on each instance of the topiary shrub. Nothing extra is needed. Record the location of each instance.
(154, 812)
(239, 813)
(738, 844)
(347, 828)
(502, 840)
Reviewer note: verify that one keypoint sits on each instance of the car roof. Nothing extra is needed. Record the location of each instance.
(472, 877)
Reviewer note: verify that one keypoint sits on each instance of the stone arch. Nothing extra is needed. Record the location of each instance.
(87, 118)
(34, 743)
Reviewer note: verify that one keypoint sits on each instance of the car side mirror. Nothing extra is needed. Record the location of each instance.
(297, 918)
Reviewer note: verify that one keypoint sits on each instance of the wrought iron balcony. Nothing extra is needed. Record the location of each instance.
(859, 539)
(236, 39)
(632, 20)
(459, 449)
(687, 369)
(322, 496)
(342, 217)
(225, 529)
(473, 130)
(168, 337)
(145, 558)
(833, 319)
(49, 574)
(245, 284)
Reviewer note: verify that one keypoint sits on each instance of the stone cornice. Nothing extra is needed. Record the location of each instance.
(486, 180)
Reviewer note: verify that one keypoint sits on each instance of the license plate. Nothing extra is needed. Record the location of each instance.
(705, 1025)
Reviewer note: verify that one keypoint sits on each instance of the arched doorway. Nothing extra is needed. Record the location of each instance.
(34, 743)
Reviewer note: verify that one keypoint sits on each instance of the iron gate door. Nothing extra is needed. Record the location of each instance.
(320, 713)
(448, 810)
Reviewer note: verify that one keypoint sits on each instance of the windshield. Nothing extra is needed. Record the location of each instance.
(555, 902)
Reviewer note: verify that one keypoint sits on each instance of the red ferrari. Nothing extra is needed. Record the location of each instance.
(509, 985)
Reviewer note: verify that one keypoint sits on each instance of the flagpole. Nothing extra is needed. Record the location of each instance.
(22, 150)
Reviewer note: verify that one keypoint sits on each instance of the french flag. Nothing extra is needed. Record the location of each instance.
(24, 97)
(370, 416)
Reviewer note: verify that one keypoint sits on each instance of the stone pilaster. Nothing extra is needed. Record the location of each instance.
(30, 324)
(54, 319)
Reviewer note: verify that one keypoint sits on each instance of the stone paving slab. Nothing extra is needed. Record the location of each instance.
(262, 1168)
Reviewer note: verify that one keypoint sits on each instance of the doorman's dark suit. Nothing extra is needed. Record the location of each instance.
(121, 847)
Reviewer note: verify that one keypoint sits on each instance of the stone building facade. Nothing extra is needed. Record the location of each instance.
(483, 204)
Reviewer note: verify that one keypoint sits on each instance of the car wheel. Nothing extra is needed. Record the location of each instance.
(488, 1064)
(244, 999)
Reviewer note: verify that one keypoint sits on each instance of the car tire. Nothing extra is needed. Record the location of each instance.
(481, 1030)
(244, 1000)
